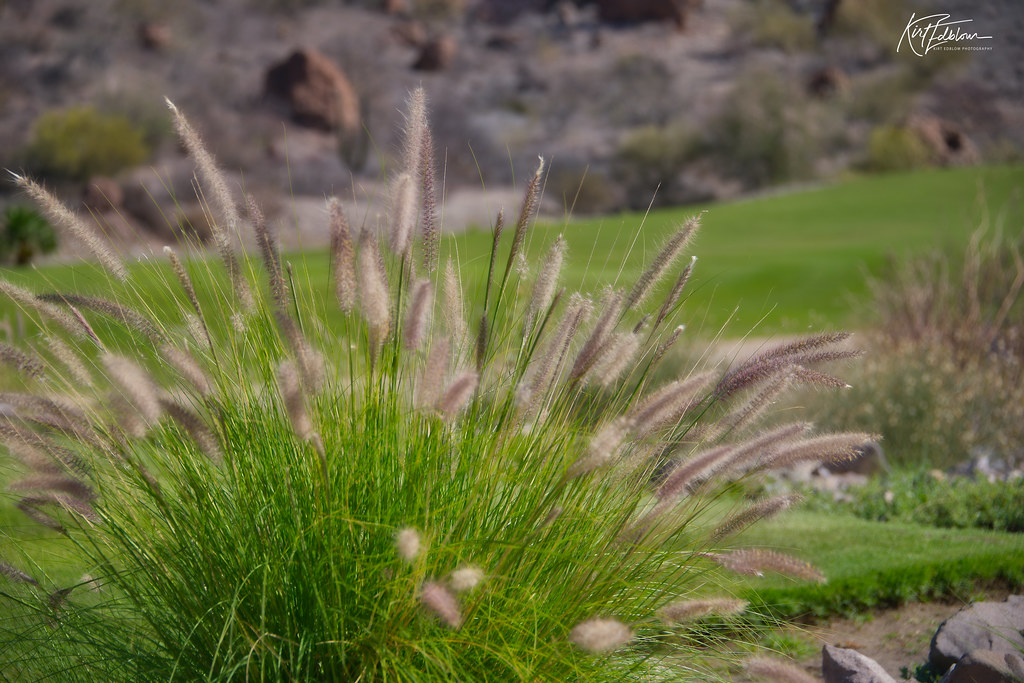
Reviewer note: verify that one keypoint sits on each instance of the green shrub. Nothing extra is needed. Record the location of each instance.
(775, 24)
(762, 134)
(896, 148)
(919, 497)
(403, 496)
(654, 157)
(80, 143)
(26, 234)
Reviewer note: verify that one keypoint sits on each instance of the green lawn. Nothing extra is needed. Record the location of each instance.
(876, 564)
(797, 260)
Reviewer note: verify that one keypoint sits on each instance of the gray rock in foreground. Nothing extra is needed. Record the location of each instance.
(980, 666)
(996, 626)
(843, 665)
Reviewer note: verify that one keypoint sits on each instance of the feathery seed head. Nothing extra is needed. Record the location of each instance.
(687, 610)
(662, 262)
(777, 671)
(21, 361)
(600, 635)
(754, 513)
(294, 402)
(136, 384)
(342, 256)
(604, 446)
(454, 316)
(547, 279)
(407, 543)
(755, 562)
(15, 574)
(458, 393)
(442, 603)
(465, 578)
(403, 213)
(431, 382)
(418, 316)
(373, 291)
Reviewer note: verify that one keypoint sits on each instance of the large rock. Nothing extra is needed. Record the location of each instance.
(844, 665)
(436, 54)
(103, 194)
(947, 142)
(319, 94)
(980, 666)
(996, 626)
(635, 11)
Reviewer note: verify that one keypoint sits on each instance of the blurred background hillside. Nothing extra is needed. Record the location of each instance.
(678, 101)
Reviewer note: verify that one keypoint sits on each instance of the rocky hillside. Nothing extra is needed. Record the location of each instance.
(301, 98)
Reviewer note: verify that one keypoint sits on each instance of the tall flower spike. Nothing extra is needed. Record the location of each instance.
(190, 291)
(454, 315)
(294, 402)
(665, 258)
(677, 289)
(212, 178)
(418, 317)
(132, 319)
(547, 279)
(458, 393)
(74, 325)
(343, 256)
(403, 213)
(21, 361)
(66, 219)
(754, 513)
(431, 382)
(136, 385)
(373, 292)
(431, 228)
(530, 201)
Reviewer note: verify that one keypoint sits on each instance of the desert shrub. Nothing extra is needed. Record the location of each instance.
(583, 190)
(761, 134)
(80, 142)
(946, 373)
(412, 494)
(654, 157)
(919, 497)
(775, 24)
(25, 235)
(895, 148)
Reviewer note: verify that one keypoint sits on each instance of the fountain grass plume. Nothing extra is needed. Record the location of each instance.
(257, 503)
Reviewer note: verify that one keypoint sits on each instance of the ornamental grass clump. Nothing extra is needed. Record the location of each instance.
(439, 487)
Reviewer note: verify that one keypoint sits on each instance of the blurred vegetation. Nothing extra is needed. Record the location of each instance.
(25, 235)
(80, 142)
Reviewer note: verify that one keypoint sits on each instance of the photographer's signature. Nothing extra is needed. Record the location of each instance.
(936, 31)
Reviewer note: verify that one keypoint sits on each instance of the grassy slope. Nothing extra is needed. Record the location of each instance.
(798, 259)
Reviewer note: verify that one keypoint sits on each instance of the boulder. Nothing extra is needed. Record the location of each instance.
(828, 82)
(410, 33)
(102, 195)
(947, 142)
(436, 54)
(637, 11)
(154, 36)
(980, 666)
(996, 626)
(844, 665)
(319, 94)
